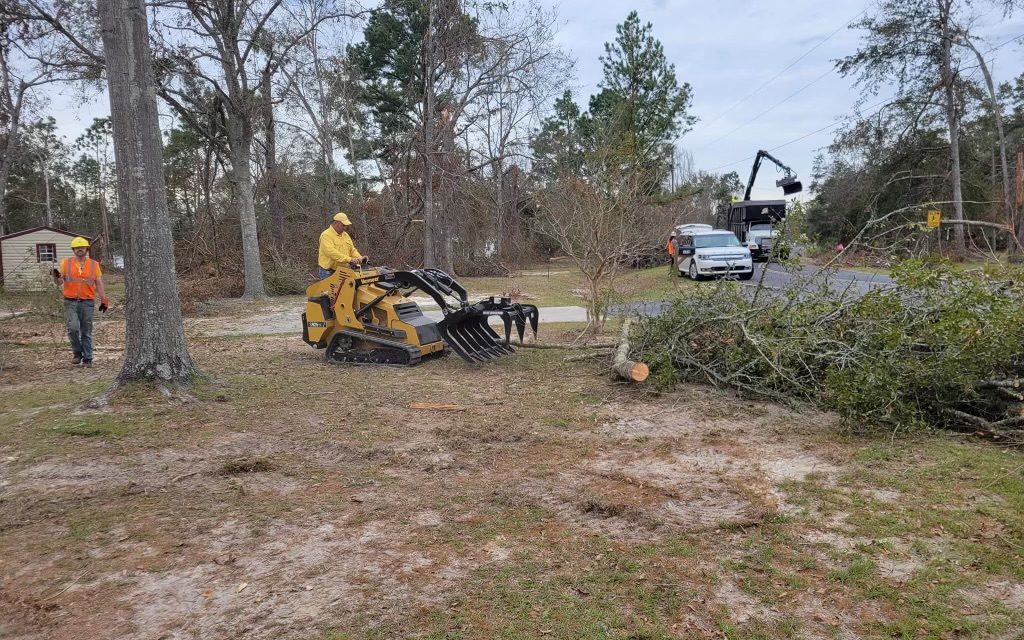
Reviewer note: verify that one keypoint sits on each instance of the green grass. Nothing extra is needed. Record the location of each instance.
(95, 427)
(952, 541)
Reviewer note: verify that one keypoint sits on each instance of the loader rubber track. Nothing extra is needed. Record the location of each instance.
(388, 352)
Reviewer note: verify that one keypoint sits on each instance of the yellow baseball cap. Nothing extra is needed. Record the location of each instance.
(342, 218)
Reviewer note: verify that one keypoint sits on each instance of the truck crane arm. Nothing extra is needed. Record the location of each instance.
(789, 183)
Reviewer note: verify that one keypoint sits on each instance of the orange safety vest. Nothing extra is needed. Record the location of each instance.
(80, 278)
(671, 246)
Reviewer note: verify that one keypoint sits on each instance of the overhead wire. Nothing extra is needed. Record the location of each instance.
(881, 105)
(769, 109)
(787, 68)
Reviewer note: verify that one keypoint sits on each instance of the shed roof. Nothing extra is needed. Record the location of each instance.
(45, 228)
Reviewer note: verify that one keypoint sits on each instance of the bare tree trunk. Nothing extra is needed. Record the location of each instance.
(429, 222)
(349, 99)
(46, 188)
(7, 158)
(240, 141)
(997, 110)
(155, 346)
(953, 122)
(273, 186)
(101, 198)
(1018, 200)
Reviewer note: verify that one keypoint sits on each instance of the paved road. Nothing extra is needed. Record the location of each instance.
(775, 277)
(287, 321)
(853, 282)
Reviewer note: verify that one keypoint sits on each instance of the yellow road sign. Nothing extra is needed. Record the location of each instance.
(934, 218)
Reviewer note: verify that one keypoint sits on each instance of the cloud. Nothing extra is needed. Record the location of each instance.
(726, 49)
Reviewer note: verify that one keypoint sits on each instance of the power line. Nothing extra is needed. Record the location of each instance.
(881, 105)
(788, 67)
(769, 109)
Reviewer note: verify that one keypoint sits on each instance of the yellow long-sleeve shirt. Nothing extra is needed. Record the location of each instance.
(336, 249)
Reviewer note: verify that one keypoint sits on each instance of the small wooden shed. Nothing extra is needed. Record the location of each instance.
(27, 257)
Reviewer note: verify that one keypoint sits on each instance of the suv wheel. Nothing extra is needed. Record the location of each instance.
(693, 270)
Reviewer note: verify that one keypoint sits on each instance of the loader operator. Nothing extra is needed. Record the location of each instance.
(336, 247)
(81, 279)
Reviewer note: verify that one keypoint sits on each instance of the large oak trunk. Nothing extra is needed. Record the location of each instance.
(155, 345)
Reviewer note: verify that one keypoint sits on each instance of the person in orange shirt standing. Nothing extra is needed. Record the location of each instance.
(81, 279)
(672, 250)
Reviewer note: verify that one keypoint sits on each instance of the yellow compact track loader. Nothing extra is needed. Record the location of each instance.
(364, 316)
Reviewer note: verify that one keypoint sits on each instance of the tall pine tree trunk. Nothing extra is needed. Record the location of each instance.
(430, 258)
(240, 141)
(273, 184)
(155, 345)
(953, 122)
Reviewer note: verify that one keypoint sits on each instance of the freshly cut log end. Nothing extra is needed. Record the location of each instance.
(632, 371)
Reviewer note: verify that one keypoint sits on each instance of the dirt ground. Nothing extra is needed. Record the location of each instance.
(283, 497)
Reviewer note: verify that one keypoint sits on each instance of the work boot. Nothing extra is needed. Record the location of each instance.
(87, 363)
(77, 360)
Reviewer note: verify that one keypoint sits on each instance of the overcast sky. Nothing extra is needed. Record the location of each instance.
(725, 49)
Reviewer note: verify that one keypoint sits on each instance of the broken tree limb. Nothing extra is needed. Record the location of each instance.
(565, 345)
(600, 353)
(623, 366)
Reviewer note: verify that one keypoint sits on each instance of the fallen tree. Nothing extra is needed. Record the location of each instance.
(624, 368)
(942, 347)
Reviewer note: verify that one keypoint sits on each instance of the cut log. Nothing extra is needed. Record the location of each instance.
(436, 406)
(623, 366)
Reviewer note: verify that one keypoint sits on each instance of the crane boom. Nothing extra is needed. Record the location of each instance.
(789, 183)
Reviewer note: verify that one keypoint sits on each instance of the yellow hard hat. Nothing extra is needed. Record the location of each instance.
(342, 218)
(79, 242)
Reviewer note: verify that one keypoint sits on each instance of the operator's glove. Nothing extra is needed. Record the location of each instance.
(56, 272)
(104, 305)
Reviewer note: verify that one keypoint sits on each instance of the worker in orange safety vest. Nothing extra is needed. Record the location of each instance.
(671, 248)
(80, 279)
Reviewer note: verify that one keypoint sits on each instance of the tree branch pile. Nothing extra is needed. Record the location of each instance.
(943, 347)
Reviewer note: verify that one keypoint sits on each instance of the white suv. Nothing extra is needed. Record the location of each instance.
(703, 251)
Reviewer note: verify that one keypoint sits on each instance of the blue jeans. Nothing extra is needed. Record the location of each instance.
(324, 272)
(78, 314)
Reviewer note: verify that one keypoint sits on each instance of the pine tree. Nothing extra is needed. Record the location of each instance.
(641, 103)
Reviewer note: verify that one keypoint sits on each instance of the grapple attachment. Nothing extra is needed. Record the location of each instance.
(469, 334)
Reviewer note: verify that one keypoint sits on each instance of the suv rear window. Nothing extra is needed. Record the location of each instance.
(716, 240)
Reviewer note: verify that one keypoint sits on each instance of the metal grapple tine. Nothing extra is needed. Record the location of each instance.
(480, 348)
(478, 328)
(506, 319)
(491, 336)
(465, 332)
(520, 320)
(533, 313)
(459, 344)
